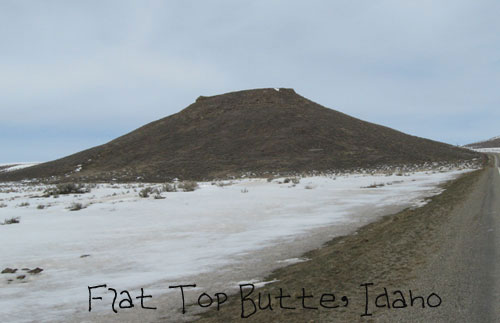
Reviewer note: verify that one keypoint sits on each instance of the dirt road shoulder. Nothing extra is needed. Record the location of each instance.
(401, 252)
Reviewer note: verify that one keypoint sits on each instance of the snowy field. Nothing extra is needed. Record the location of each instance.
(129, 242)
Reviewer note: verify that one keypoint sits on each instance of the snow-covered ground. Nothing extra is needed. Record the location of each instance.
(130, 242)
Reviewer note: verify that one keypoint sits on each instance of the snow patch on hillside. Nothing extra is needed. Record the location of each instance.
(8, 167)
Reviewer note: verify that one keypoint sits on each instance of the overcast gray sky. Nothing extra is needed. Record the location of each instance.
(75, 74)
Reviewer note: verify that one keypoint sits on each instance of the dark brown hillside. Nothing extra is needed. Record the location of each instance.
(490, 143)
(257, 131)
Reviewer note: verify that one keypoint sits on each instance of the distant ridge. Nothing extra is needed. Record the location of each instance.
(258, 131)
(490, 143)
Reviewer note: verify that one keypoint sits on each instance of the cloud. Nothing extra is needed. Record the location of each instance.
(109, 69)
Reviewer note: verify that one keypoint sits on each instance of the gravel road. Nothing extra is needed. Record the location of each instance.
(465, 270)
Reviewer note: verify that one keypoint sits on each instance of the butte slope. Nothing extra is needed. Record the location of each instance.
(259, 131)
